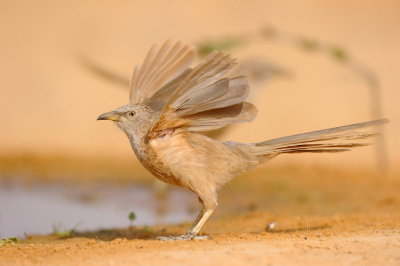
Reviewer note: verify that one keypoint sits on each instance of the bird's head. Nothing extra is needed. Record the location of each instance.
(133, 119)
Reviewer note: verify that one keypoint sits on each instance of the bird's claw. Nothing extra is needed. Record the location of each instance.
(185, 237)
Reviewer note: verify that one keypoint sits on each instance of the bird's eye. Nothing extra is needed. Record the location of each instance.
(131, 113)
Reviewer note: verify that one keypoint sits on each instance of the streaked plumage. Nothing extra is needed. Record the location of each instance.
(170, 102)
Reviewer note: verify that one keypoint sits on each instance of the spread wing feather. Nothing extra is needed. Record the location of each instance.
(226, 93)
(161, 66)
(198, 99)
(205, 101)
(216, 118)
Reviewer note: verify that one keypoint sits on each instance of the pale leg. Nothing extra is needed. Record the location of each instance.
(194, 229)
(200, 221)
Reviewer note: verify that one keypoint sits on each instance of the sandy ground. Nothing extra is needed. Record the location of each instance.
(322, 216)
(367, 247)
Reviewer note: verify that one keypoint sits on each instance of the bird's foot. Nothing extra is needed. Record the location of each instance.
(184, 237)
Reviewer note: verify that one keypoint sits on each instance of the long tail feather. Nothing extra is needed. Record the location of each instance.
(336, 139)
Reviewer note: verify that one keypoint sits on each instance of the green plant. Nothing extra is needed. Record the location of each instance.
(10, 240)
(131, 217)
(60, 230)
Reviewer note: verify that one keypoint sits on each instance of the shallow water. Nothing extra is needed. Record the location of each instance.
(37, 208)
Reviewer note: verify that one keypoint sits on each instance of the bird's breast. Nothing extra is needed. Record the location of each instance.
(150, 154)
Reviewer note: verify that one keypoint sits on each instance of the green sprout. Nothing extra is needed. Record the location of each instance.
(131, 217)
(10, 240)
(63, 232)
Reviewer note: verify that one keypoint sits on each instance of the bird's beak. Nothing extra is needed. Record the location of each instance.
(113, 116)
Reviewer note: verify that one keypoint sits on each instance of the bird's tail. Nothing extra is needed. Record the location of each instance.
(328, 140)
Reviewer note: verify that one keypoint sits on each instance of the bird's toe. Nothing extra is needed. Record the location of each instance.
(184, 237)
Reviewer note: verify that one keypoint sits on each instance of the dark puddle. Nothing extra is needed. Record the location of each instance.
(39, 208)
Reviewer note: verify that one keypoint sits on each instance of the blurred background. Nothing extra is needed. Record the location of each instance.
(312, 65)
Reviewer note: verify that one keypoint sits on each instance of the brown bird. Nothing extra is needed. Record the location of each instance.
(170, 102)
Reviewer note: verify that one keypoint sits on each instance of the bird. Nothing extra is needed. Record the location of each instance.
(171, 105)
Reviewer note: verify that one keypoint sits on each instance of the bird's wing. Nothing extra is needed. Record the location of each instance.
(160, 71)
(202, 100)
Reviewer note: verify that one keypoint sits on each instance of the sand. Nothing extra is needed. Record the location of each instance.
(322, 216)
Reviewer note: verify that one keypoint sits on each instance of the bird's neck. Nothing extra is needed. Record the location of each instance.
(138, 142)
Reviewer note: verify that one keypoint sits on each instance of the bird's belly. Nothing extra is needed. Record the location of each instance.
(162, 173)
(191, 160)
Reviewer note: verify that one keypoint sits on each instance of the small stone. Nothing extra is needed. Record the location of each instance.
(270, 226)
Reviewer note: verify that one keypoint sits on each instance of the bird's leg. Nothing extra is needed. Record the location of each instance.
(194, 229)
(201, 219)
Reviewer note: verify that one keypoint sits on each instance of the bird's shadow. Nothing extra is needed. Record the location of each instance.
(148, 233)
(144, 233)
